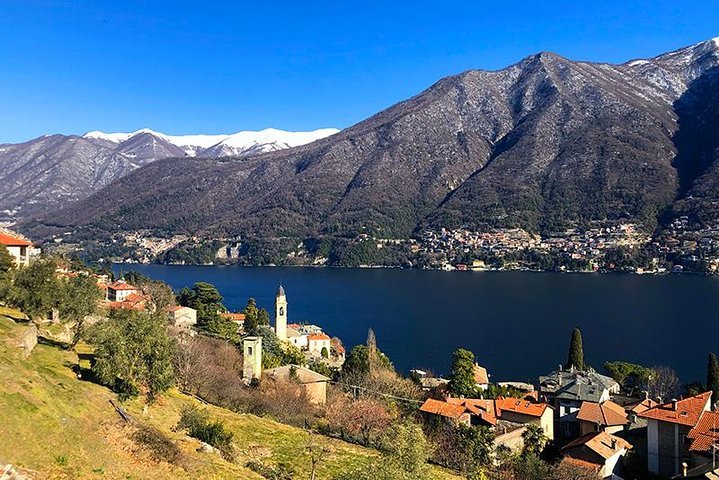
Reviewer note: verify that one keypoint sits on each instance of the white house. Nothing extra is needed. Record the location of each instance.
(182, 316)
(299, 340)
(317, 342)
(18, 248)
(120, 290)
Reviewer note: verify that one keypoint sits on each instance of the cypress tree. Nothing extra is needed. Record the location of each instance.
(576, 351)
(713, 377)
(461, 381)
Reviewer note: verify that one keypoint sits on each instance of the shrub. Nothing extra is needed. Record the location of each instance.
(198, 425)
(158, 444)
(282, 471)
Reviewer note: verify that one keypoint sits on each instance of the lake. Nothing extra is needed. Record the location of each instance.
(517, 323)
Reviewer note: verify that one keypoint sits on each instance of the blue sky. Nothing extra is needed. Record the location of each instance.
(219, 67)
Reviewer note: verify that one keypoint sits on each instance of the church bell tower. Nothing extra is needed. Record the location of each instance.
(281, 314)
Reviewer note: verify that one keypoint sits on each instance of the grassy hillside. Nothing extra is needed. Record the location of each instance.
(63, 427)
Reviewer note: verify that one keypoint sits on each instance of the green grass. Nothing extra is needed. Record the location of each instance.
(66, 428)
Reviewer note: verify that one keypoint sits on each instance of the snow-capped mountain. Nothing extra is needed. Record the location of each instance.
(240, 143)
(545, 144)
(54, 170)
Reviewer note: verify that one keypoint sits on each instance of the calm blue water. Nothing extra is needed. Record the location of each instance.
(518, 324)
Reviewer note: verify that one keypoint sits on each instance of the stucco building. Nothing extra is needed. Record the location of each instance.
(668, 427)
(599, 451)
(180, 316)
(566, 390)
(19, 248)
(313, 384)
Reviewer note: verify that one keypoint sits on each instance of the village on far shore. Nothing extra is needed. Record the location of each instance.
(588, 419)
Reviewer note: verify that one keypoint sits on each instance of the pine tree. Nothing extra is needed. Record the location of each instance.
(576, 351)
(713, 376)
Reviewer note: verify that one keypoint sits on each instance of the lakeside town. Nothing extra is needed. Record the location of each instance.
(681, 247)
(625, 422)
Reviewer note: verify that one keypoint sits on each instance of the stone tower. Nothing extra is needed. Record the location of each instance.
(251, 358)
(281, 314)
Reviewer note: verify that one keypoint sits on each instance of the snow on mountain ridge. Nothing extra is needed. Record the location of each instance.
(262, 140)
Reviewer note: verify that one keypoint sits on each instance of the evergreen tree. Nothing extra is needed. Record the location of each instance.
(204, 298)
(713, 377)
(35, 289)
(133, 352)
(7, 262)
(80, 299)
(576, 351)
(252, 320)
(7, 266)
(461, 382)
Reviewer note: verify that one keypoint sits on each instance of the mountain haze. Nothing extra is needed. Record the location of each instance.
(543, 144)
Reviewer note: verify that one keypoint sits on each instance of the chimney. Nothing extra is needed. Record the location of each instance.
(614, 443)
(684, 469)
(675, 404)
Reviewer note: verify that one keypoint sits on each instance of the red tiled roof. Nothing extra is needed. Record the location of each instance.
(235, 317)
(605, 414)
(520, 406)
(480, 375)
(644, 405)
(318, 336)
(583, 463)
(444, 409)
(10, 241)
(134, 301)
(687, 411)
(705, 433)
(484, 409)
(603, 444)
(121, 286)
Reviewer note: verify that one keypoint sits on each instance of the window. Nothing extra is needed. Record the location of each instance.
(249, 350)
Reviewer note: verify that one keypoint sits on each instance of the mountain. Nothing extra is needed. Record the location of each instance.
(53, 171)
(544, 144)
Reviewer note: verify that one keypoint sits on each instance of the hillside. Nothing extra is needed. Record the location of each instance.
(61, 427)
(545, 144)
(53, 171)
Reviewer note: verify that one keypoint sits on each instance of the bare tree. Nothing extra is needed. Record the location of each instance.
(664, 383)
(317, 451)
(363, 420)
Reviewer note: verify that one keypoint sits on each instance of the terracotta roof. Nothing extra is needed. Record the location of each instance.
(235, 317)
(480, 375)
(121, 286)
(644, 405)
(603, 444)
(705, 433)
(582, 463)
(687, 411)
(134, 301)
(10, 241)
(175, 308)
(517, 405)
(484, 409)
(444, 409)
(607, 414)
(318, 336)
